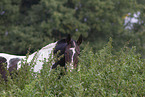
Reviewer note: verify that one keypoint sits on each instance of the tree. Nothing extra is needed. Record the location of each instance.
(40, 22)
(105, 19)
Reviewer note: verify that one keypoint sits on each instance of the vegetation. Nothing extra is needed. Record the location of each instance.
(36, 23)
(114, 70)
(98, 74)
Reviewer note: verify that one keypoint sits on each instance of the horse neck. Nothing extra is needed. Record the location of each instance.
(45, 52)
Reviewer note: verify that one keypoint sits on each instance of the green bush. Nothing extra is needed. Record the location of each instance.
(104, 73)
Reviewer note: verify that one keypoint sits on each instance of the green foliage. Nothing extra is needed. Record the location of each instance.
(35, 23)
(99, 74)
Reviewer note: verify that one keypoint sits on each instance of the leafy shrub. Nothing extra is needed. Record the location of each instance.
(99, 74)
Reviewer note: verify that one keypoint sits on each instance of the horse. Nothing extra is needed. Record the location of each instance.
(68, 49)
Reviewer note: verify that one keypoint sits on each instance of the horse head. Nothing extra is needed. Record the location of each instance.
(70, 50)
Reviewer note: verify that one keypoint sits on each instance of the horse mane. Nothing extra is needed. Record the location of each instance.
(61, 44)
(61, 41)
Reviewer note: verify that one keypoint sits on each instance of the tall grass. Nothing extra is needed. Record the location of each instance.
(99, 74)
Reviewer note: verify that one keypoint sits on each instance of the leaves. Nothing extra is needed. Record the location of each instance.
(48, 21)
(102, 73)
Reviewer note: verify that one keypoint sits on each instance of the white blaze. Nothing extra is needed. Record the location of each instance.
(71, 63)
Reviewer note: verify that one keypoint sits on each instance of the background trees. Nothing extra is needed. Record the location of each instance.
(35, 23)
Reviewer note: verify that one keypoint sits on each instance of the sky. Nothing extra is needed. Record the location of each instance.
(130, 20)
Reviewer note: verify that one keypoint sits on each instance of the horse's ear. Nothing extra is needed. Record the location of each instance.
(68, 39)
(79, 41)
